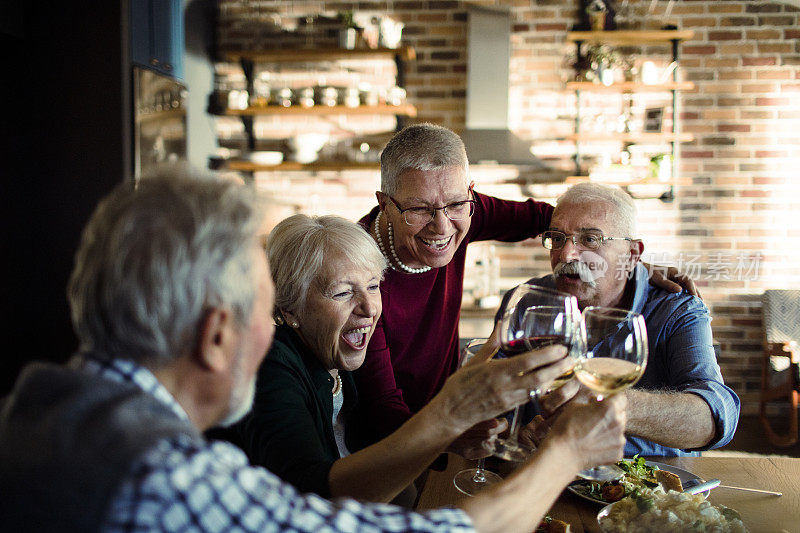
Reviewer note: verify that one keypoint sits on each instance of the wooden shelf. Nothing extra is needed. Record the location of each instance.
(317, 54)
(572, 180)
(639, 138)
(630, 36)
(160, 116)
(630, 86)
(245, 165)
(404, 109)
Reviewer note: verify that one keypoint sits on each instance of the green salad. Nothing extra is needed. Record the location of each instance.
(638, 475)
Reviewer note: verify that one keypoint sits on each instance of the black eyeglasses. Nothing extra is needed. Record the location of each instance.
(419, 216)
(589, 240)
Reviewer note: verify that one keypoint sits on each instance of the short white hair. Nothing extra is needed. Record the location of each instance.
(297, 248)
(624, 209)
(421, 147)
(152, 260)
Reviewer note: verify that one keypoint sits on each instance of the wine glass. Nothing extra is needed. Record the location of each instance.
(533, 317)
(473, 480)
(550, 324)
(615, 344)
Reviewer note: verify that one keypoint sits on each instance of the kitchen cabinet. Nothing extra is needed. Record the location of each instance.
(671, 87)
(157, 36)
(309, 59)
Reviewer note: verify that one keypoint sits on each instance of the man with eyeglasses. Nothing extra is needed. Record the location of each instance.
(681, 405)
(426, 216)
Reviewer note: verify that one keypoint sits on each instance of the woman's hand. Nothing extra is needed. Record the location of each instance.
(593, 433)
(479, 392)
(672, 281)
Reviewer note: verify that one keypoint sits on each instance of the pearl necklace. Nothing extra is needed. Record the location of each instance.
(391, 248)
(338, 390)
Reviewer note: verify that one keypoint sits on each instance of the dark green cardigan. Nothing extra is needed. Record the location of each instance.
(289, 430)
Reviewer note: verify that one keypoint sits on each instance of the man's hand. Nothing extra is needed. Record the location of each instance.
(594, 432)
(551, 405)
(673, 281)
(469, 444)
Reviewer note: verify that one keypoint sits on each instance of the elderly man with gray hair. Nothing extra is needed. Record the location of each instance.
(681, 404)
(172, 301)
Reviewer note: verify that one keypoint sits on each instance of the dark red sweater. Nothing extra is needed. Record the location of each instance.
(415, 345)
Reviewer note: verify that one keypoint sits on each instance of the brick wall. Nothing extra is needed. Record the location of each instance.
(732, 225)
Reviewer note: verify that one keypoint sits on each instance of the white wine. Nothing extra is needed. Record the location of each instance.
(562, 379)
(606, 375)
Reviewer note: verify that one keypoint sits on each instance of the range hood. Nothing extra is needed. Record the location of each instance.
(487, 136)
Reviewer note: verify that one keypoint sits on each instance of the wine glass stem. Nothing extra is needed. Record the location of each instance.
(479, 476)
(514, 429)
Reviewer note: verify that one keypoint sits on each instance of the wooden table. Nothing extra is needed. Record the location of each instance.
(761, 513)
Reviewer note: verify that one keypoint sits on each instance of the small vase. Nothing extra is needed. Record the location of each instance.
(347, 38)
(597, 20)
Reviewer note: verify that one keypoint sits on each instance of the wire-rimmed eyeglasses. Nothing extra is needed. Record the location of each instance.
(419, 216)
(589, 239)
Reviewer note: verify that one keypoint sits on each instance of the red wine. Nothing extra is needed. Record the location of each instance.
(520, 346)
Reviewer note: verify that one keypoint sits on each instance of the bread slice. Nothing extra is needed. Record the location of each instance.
(669, 481)
(557, 526)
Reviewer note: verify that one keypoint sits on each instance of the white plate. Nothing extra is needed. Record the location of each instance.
(685, 476)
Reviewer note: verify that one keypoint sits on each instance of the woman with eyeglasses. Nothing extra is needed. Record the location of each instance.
(426, 216)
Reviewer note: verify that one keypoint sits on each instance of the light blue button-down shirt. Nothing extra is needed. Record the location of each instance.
(681, 358)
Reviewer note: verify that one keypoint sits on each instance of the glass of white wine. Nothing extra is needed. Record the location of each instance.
(615, 356)
(533, 317)
(473, 480)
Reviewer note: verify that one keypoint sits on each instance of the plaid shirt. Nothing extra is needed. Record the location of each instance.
(180, 485)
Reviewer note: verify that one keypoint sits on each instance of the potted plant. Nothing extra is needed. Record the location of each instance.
(348, 34)
(603, 61)
(661, 167)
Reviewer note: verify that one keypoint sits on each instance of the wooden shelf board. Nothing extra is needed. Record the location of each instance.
(406, 53)
(404, 109)
(630, 36)
(632, 137)
(630, 86)
(572, 180)
(158, 116)
(249, 166)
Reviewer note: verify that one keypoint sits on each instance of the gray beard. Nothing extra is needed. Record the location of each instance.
(240, 404)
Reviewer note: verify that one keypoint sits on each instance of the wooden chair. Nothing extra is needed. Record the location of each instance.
(780, 372)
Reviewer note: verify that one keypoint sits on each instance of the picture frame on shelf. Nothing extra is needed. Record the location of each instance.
(653, 119)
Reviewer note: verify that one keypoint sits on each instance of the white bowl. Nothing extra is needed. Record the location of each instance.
(267, 158)
(308, 142)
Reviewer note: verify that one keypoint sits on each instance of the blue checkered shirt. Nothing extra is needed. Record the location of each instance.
(180, 485)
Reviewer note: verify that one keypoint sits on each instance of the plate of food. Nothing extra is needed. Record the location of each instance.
(658, 510)
(552, 525)
(639, 474)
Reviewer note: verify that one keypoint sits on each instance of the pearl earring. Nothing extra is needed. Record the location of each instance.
(294, 324)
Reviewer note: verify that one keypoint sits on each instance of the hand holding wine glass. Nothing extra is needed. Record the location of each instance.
(615, 356)
(473, 480)
(533, 318)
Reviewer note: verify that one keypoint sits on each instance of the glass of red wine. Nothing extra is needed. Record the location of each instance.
(534, 317)
(615, 356)
(473, 480)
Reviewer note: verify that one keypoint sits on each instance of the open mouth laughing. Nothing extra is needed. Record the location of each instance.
(357, 338)
(436, 245)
